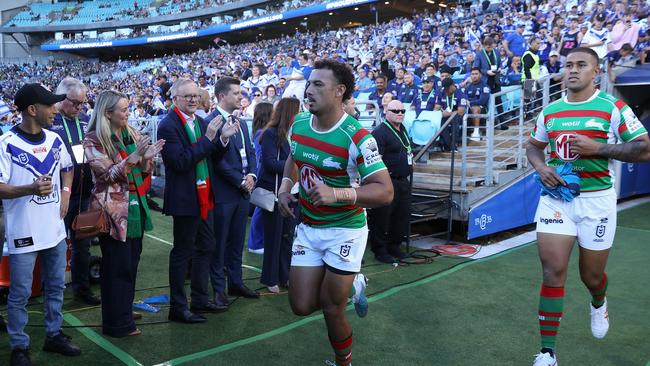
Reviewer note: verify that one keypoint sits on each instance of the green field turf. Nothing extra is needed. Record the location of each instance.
(449, 312)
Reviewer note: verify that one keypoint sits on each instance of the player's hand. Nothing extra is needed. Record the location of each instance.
(42, 186)
(213, 127)
(583, 145)
(550, 178)
(320, 193)
(285, 201)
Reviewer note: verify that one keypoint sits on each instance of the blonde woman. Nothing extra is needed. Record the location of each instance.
(119, 159)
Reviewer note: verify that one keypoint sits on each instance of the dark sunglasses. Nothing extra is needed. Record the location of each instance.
(257, 95)
(398, 111)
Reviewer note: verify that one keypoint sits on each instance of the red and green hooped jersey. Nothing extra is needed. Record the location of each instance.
(341, 158)
(603, 118)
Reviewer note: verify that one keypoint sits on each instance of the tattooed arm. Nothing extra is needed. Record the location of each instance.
(637, 150)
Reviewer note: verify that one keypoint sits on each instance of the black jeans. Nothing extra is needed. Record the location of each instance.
(79, 261)
(118, 273)
(388, 225)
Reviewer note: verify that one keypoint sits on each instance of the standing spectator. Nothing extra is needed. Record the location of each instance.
(489, 61)
(35, 204)
(386, 224)
(235, 180)
(624, 31)
(298, 78)
(119, 159)
(189, 198)
(571, 38)
(554, 66)
(163, 85)
(261, 118)
(515, 43)
(597, 37)
(71, 125)
(278, 230)
(270, 78)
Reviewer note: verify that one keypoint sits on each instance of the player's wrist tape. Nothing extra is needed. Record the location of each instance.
(345, 195)
(66, 189)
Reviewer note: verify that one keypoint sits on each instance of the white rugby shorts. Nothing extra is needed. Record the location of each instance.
(340, 248)
(592, 219)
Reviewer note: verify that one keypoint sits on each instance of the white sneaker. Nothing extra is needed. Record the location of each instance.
(599, 320)
(359, 298)
(476, 136)
(544, 359)
(256, 251)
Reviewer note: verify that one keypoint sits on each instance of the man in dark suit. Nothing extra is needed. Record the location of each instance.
(234, 181)
(191, 145)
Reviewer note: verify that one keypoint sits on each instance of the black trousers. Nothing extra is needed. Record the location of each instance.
(118, 273)
(455, 127)
(278, 239)
(79, 261)
(193, 239)
(388, 225)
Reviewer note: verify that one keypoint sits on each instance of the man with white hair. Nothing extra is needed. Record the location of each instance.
(71, 124)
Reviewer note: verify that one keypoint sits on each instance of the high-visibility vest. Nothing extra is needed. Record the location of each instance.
(534, 71)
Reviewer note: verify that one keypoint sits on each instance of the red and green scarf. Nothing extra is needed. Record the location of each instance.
(203, 185)
(139, 218)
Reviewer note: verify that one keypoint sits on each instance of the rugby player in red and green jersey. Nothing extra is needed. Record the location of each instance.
(588, 128)
(340, 172)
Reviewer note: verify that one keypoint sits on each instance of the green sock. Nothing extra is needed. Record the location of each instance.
(551, 304)
(598, 294)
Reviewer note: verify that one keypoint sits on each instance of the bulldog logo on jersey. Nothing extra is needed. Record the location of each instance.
(308, 175)
(57, 153)
(563, 148)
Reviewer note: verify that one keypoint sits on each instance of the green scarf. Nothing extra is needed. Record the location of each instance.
(137, 194)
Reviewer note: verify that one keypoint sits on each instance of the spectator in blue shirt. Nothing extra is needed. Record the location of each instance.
(515, 43)
(448, 100)
(478, 93)
(364, 84)
(408, 92)
(426, 98)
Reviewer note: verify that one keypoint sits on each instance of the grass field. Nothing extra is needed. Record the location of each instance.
(449, 312)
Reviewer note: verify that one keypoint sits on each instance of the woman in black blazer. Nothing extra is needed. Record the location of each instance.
(278, 230)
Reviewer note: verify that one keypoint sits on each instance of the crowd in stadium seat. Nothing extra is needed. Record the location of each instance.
(445, 39)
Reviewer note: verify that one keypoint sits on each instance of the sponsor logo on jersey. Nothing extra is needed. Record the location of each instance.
(310, 156)
(550, 123)
(293, 147)
(23, 242)
(307, 172)
(345, 250)
(571, 124)
(39, 149)
(330, 163)
(563, 148)
(632, 122)
(298, 250)
(370, 152)
(592, 123)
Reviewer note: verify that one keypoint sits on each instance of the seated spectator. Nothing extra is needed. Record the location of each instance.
(270, 94)
(620, 61)
(513, 74)
(448, 100)
(364, 83)
(426, 98)
(478, 95)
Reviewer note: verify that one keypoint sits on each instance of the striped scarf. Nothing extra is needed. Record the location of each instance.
(136, 224)
(203, 185)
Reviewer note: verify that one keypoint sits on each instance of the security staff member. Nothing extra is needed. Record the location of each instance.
(388, 225)
(530, 73)
(70, 123)
(426, 98)
(478, 94)
(449, 99)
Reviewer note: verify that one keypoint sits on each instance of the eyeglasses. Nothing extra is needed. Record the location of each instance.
(398, 111)
(76, 103)
(189, 97)
(257, 95)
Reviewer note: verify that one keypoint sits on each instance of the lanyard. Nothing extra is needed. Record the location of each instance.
(488, 59)
(67, 131)
(401, 139)
(428, 97)
(450, 104)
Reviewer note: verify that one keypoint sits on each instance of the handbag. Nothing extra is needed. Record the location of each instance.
(263, 198)
(91, 223)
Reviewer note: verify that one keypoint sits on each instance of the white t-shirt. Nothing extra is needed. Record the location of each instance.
(33, 223)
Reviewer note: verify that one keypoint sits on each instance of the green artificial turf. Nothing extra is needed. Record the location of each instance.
(449, 312)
